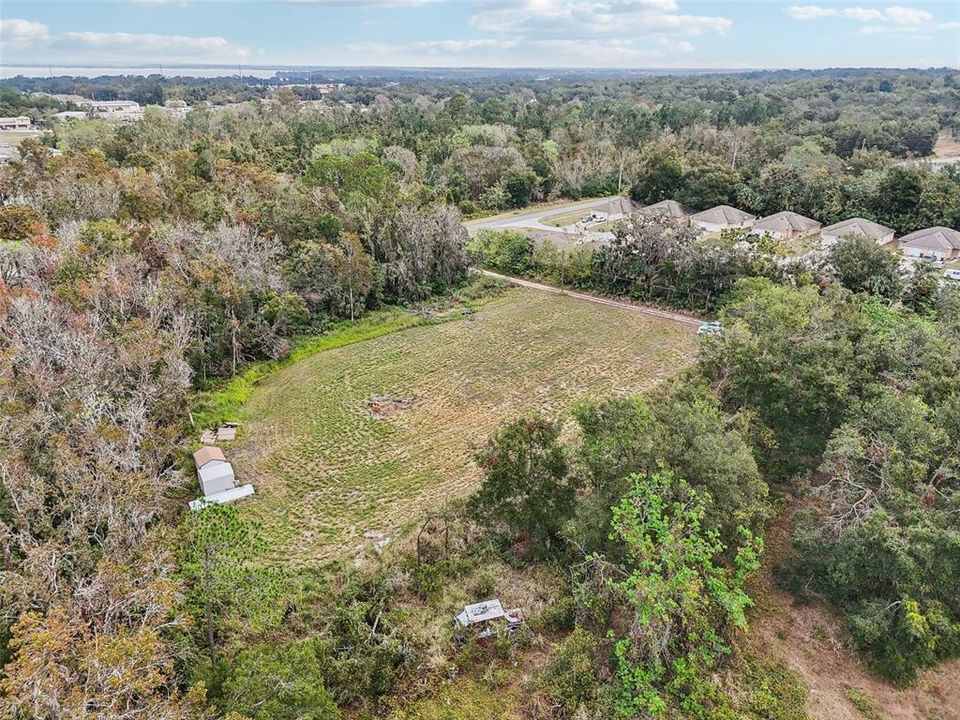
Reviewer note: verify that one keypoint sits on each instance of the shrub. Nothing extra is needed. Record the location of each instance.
(278, 682)
(571, 676)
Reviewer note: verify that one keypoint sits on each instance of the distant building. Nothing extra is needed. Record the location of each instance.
(108, 107)
(666, 209)
(71, 115)
(722, 217)
(786, 225)
(20, 122)
(935, 243)
(75, 99)
(861, 227)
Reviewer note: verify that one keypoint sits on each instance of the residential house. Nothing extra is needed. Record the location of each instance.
(786, 225)
(860, 227)
(666, 209)
(935, 243)
(722, 217)
(617, 208)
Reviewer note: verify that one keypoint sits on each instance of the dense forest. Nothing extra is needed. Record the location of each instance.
(144, 263)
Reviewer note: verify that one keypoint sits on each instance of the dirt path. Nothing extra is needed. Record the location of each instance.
(665, 314)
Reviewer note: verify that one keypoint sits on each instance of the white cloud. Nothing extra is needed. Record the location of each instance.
(16, 33)
(359, 3)
(895, 14)
(579, 18)
(28, 41)
(516, 52)
(810, 12)
(128, 46)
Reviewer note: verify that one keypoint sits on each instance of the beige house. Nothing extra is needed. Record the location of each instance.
(786, 225)
(935, 243)
(861, 227)
(666, 209)
(722, 217)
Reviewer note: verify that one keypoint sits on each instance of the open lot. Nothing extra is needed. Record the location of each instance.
(326, 471)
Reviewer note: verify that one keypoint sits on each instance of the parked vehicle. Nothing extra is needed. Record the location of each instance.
(710, 328)
(952, 273)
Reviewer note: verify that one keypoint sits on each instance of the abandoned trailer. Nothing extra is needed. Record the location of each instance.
(489, 619)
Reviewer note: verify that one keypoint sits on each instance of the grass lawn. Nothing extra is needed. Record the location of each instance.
(325, 471)
(466, 699)
(570, 218)
(14, 137)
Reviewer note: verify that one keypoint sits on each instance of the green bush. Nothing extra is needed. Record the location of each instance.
(571, 676)
(509, 252)
(278, 682)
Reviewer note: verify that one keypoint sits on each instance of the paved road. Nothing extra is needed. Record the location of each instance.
(655, 312)
(532, 219)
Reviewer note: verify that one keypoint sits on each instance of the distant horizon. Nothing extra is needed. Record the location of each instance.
(652, 35)
(13, 70)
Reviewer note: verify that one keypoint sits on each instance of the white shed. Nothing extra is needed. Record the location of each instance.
(216, 478)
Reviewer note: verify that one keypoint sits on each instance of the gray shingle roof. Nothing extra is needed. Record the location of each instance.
(723, 215)
(666, 208)
(857, 226)
(786, 221)
(940, 237)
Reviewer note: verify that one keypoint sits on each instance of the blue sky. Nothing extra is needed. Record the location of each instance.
(494, 33)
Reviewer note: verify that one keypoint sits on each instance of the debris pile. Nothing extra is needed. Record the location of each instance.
(227, 431)
(379, 407)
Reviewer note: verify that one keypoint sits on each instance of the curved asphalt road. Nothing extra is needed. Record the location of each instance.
(532, 219)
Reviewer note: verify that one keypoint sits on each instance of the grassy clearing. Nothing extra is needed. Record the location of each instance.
(223, 404)
(326, 472)
(465, 699)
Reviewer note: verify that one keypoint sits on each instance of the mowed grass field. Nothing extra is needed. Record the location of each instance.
(325, 472)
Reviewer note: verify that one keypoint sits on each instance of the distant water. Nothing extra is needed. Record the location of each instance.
(9, 71)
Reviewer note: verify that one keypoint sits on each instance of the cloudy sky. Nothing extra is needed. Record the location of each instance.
(492, 33)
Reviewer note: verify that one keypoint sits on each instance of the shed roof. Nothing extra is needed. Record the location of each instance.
(723, 215)
(786, 221)
(858, 226)
(667, 208)
(939, 237)
(208, 453)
